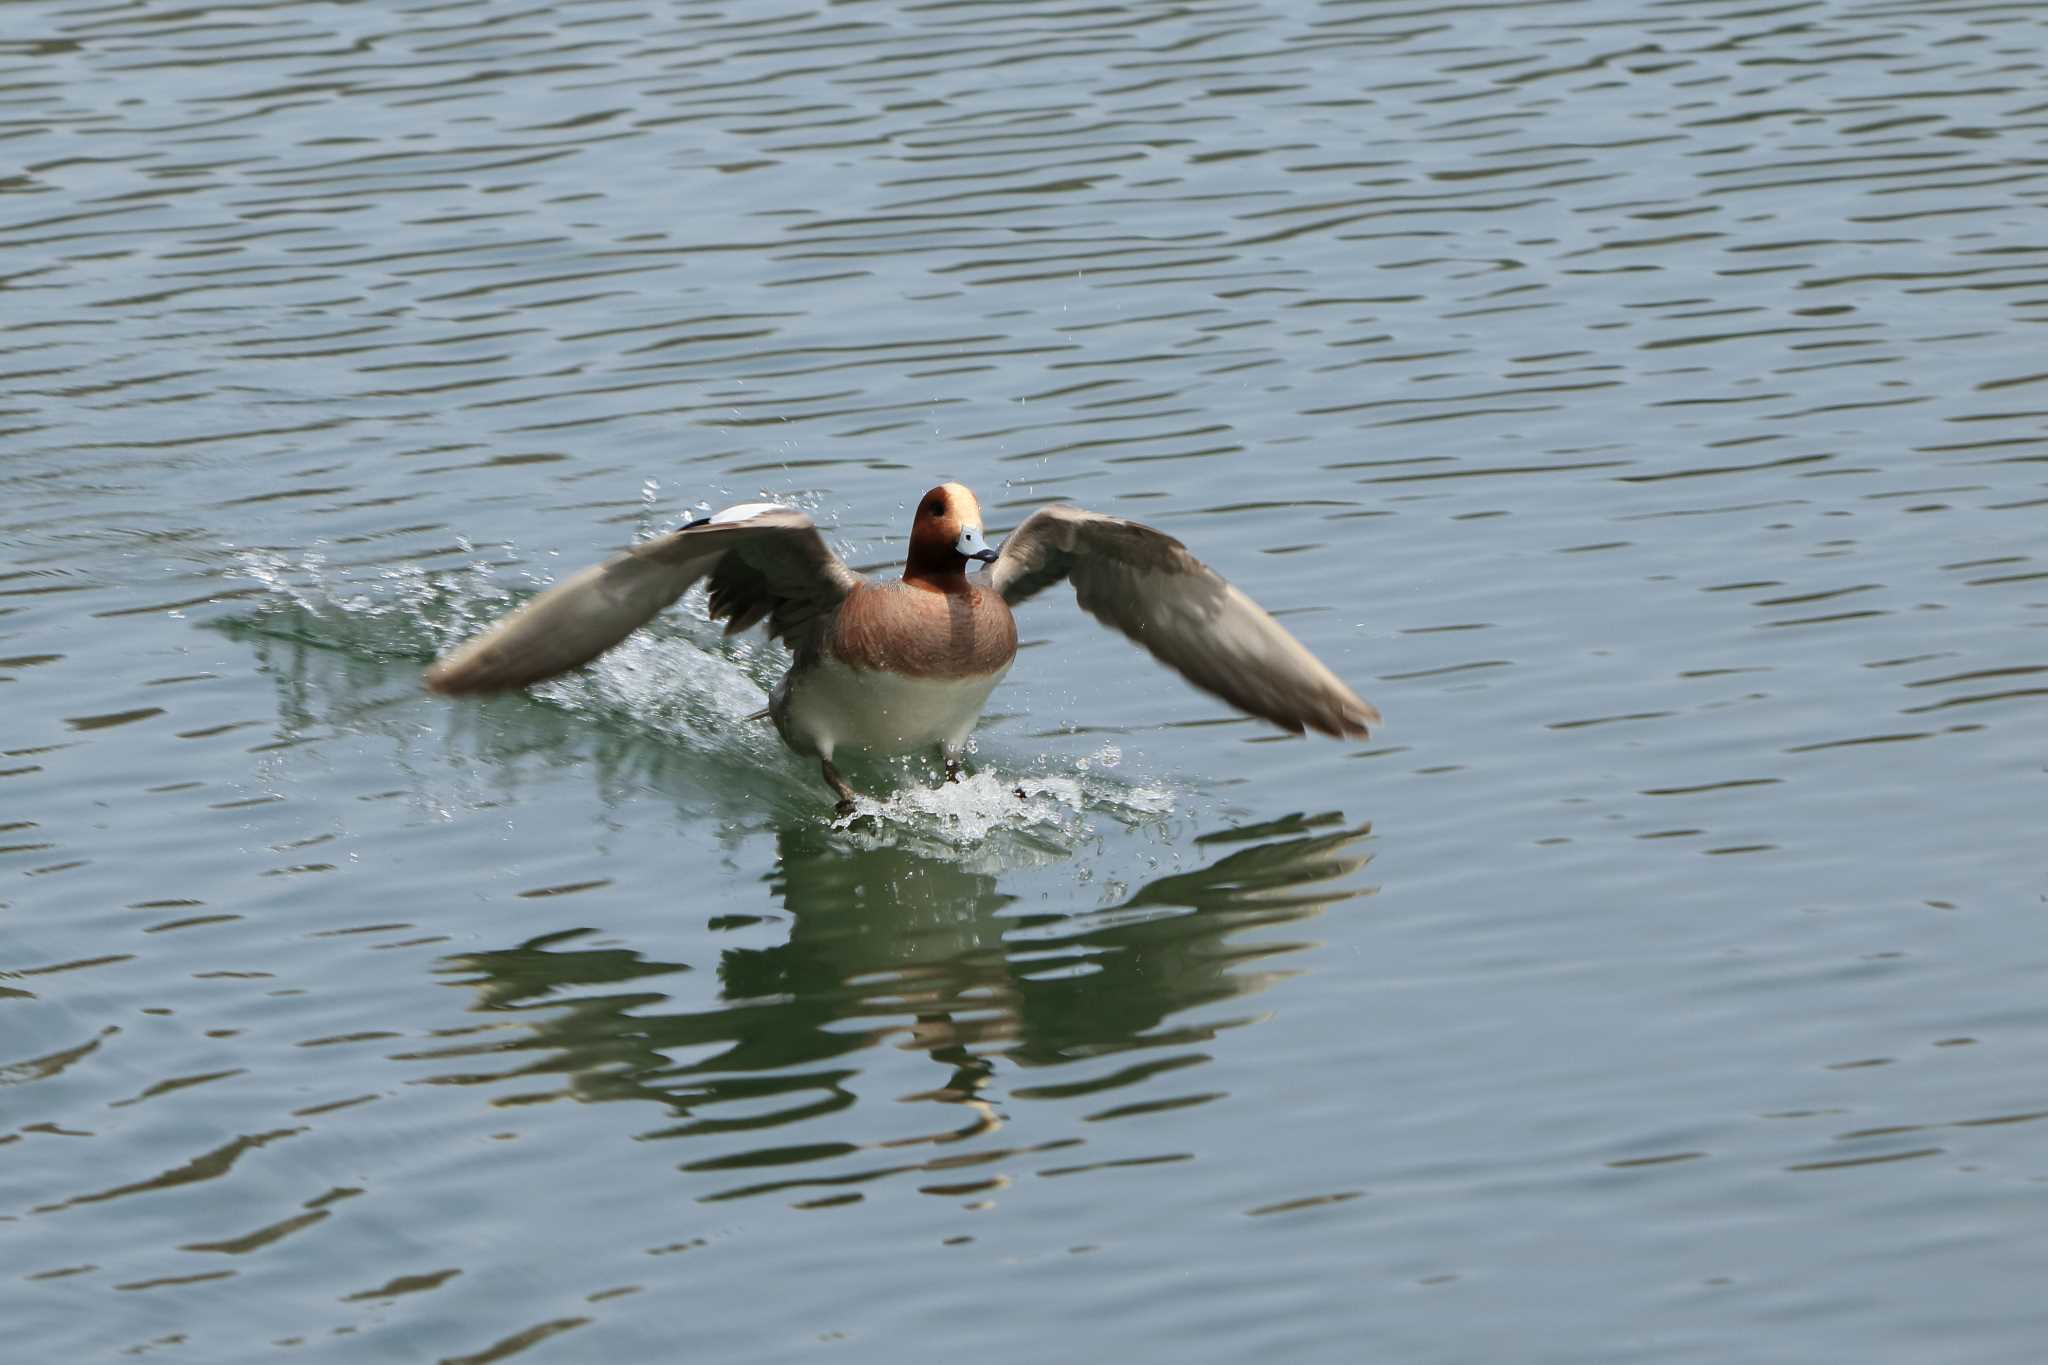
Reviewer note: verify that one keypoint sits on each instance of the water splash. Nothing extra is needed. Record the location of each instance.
(1043, 806)
(682, 682)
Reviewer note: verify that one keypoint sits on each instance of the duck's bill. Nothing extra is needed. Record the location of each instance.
(971, 545)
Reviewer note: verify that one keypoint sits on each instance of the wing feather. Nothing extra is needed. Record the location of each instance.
(1145, 584)
(784, 570)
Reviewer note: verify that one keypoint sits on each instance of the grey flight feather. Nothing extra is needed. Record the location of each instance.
(1145, 583)
(772, 562)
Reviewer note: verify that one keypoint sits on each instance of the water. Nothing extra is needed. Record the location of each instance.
(1641, 404)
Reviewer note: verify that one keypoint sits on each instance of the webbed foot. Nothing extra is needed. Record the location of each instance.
(839, 789)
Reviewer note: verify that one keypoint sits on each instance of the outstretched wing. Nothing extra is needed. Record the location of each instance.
(1145, 583)
(764, 560)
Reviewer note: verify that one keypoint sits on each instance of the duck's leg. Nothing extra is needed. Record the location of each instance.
(838, 784)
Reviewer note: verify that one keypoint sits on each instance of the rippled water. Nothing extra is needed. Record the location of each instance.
(1642, 404)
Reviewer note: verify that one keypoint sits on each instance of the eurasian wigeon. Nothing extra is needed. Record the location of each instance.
(889, 667)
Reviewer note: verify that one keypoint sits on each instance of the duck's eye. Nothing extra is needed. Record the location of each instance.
(935, 508)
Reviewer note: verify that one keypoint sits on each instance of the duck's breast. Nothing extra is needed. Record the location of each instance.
(898, 668)
(922, 632)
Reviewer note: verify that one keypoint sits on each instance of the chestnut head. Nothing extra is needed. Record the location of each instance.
(946, 532)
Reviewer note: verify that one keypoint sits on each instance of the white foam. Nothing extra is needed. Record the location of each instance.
(1048, 809)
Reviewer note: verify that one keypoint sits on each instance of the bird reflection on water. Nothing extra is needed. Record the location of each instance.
(892, 943)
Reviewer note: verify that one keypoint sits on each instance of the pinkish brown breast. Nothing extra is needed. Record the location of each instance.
(922, 633)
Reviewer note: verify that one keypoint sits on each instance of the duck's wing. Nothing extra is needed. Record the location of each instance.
(1145, 583)
(763, 560)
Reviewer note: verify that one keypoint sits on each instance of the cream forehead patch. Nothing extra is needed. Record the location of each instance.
(961, 503)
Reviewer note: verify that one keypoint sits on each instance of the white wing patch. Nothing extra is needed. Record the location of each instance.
(743, 511)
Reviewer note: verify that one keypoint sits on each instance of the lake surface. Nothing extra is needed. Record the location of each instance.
(1645, 405)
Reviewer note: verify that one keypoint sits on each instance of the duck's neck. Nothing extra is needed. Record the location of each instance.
(935, 566)
(947, 579)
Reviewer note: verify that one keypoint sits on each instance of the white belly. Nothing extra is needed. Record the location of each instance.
(830, 706)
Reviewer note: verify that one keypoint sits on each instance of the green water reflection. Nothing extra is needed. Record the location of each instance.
(898, 945)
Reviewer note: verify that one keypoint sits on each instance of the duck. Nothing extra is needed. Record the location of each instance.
(896, 666)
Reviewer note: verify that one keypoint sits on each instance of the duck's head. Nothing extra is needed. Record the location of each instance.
(946, 534)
